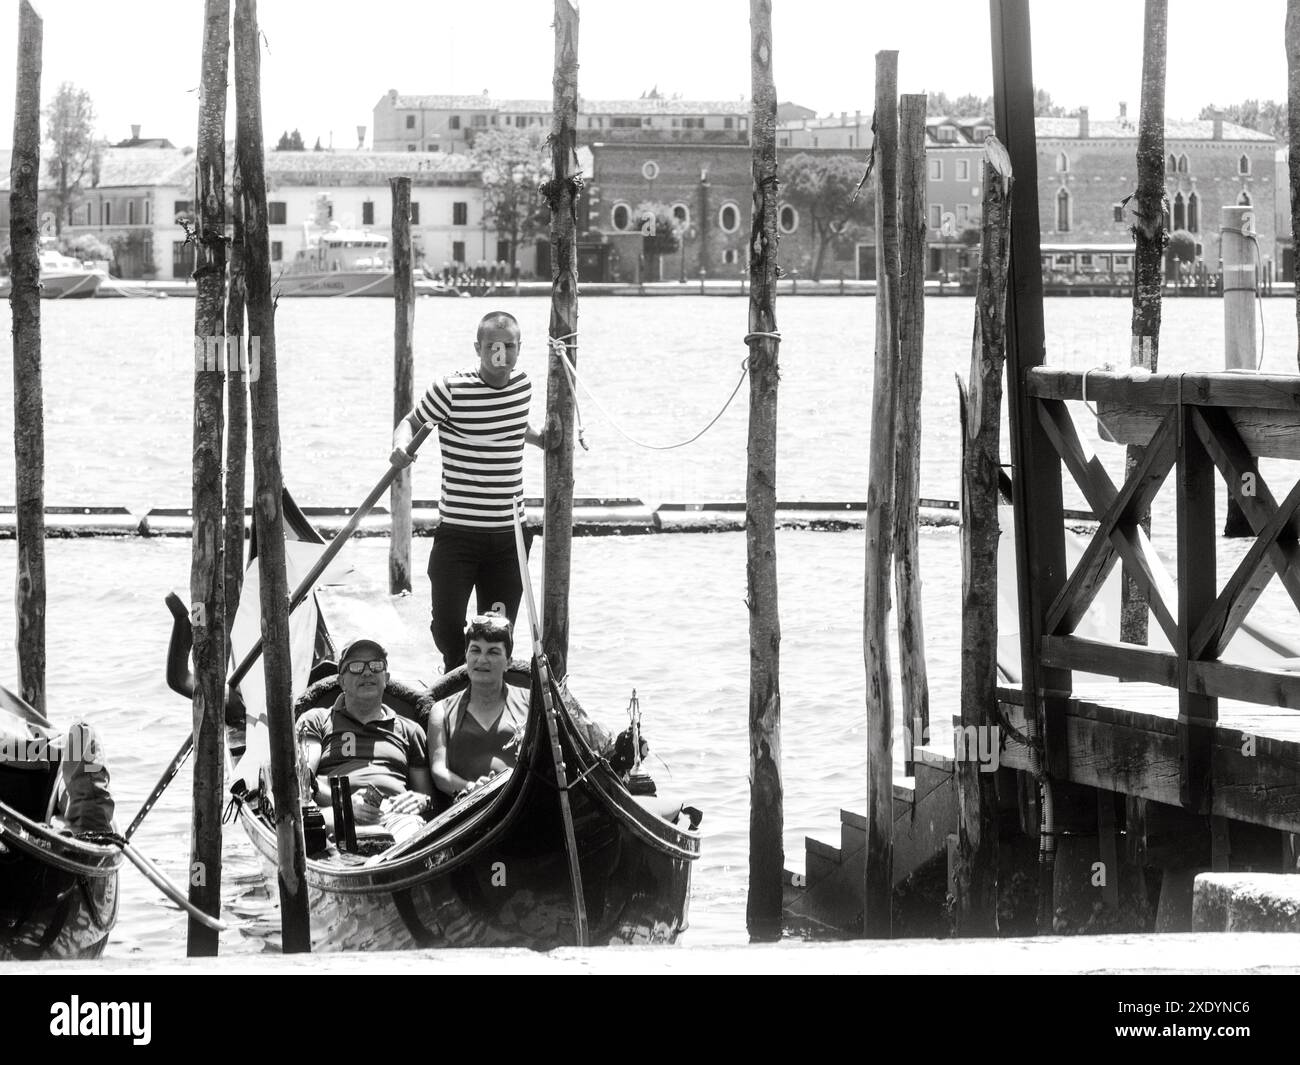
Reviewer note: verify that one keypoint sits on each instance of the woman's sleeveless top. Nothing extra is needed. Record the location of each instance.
(471, 748)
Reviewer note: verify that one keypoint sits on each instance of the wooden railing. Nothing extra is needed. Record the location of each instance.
(1190, 425)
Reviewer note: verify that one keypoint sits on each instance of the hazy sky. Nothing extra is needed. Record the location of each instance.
(325, 64)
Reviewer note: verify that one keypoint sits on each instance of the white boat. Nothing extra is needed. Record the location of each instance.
(340, 262)
(64, 278)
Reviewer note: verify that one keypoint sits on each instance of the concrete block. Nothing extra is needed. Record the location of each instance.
(1246, 902)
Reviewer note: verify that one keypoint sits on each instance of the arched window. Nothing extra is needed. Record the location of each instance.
(1182, 163)
(1062, 163)
(787, 218)
(1244, 199)
(1243, 164)
(1168, 227)
(1063, 210)
(621, 216)
(1193, 213)
(729, 218)
(682, 213)
(1180, 212)
(1171, 166)
(729, 256)
(130, 212)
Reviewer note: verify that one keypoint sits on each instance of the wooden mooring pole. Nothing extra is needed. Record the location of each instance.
(399, 495)
(29, 408)
(236, 411)
(981, 416)
(1148, 267)
(1292, 41)
(907, 447)
(268, 487)
(207, 605)
(766, 789)
(562, 197)
(877, 917)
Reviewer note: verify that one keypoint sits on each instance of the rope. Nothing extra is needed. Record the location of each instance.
(559, 349)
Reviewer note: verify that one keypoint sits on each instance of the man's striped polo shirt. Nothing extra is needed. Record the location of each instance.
(481, 431)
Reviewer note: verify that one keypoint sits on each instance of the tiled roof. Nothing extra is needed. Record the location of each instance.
(368, 168)
(128, 167)
(1200, 129)
(648, 106)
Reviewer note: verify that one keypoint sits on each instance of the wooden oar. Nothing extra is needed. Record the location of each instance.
(300, 593)
(553, 728)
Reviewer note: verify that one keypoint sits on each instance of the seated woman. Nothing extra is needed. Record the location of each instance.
(476, 733)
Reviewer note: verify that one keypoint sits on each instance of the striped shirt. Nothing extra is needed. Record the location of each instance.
(481, 432)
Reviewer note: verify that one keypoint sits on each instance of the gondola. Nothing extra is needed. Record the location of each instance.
(58, 889)
(494, 869)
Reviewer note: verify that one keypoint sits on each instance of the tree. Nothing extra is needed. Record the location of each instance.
(1267, 116)
(513, 163)
(74, 153)
(822, 190)
(1044, 108)
(86, 246)
(291, 142)
(1182, 246)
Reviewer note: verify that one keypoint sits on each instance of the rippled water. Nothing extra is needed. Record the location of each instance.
(663, 614)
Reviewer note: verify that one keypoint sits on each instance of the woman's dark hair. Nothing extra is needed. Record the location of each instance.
(495, 628)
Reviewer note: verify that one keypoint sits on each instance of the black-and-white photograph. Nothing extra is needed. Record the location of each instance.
(856, 530)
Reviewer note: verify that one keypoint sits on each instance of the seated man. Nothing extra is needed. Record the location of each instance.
(383, 754)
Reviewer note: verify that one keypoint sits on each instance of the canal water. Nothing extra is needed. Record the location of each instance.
(662, 614)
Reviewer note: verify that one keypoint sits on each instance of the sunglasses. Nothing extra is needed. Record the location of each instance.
(356, 668)
(491, 621)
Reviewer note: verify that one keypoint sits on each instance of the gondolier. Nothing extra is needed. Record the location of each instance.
(482, 419)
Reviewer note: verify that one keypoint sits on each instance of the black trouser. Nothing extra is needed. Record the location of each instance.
(464, 559)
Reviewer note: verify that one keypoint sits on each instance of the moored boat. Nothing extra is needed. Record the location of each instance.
(58, 874)
(495, 868)
(64, 278)
(341, 262)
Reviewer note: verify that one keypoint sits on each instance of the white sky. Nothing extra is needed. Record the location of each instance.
(327, 62)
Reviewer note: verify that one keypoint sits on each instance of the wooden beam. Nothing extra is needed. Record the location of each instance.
(562, 198)
(207, 598)
(29, 404)
(766, 788)
(1211, 389)
(236, 412)
(1040, 535)
(1196, 592)
(1121, 661)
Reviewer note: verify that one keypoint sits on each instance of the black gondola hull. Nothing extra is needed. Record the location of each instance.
(58, 895)
(492, 870)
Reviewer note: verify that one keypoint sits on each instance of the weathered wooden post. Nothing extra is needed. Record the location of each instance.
(268, 486)
(1040, 533)
(562, 197)
(877, 918)
(981, 416)
(1148, 265)
(236, 411)
(907, 448)
(1292, 41)
(207, 605)
(399, 497)
(1236, 247)
(29, 409)
(766, 789)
